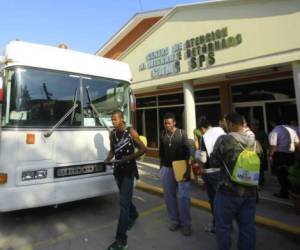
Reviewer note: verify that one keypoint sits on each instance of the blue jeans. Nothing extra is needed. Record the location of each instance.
(177, 197)
(127, 209)
(212, 181)
(226, 209)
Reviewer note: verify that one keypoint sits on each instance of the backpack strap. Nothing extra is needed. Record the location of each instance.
(226, 168)
(224, 163)
(243, 148)
(254, 146)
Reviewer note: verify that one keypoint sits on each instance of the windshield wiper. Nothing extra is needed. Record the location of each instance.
(49, 133)
(70, 111)
(96, 111)
(74, 102)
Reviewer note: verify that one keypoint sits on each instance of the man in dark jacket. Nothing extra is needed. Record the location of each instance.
(174, 146)
(122, 141)
(232, 200)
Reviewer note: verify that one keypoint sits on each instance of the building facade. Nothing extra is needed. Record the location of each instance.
(212, 58)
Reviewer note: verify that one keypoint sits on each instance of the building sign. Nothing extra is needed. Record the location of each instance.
(198, 52)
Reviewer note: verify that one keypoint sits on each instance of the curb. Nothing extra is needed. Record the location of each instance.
(261, 220)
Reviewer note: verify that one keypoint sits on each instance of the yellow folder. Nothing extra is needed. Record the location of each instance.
(179, 168)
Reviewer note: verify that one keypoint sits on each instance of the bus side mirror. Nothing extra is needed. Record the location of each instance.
(1, 89)
(132, 102)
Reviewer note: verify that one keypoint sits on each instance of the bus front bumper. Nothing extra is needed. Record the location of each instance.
(30, 196)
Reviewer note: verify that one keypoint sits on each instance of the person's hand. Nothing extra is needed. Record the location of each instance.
(124, 159)
(187, 175)
(106, 161)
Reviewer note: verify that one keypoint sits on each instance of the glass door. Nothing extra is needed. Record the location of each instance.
(253, 112)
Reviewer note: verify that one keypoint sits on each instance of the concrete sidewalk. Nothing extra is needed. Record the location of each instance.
(272, 212)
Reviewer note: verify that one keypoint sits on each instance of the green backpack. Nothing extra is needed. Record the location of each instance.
(246, 169)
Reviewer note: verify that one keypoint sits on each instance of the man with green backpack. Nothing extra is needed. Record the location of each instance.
(237, 155)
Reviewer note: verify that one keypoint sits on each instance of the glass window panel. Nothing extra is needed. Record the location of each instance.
(37, 98)
(105, 95)
(146, 102)
(211, 111)
(173, 99)
(272, 90)
(139, 121)
(207, 95)
(150, 126)
(280, 113)
(251, 114)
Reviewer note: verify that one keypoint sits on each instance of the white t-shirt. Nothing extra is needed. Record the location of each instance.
(278, 138)
(210, 137)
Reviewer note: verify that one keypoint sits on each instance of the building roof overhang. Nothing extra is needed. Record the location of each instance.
(138, 19)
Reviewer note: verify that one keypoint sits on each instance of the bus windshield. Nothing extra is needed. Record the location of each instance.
(40, 98)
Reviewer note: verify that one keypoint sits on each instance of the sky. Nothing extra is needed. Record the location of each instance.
(84, 25)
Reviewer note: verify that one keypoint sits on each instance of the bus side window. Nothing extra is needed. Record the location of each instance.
(13, 90)
(14, 113)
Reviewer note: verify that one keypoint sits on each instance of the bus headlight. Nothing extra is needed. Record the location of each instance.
(34, 175)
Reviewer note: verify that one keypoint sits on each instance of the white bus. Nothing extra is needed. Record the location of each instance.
(55, 109)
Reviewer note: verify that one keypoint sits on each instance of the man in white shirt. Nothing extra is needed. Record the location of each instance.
(211, 175)
(283, 142)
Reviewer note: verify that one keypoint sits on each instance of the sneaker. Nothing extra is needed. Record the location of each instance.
(210, 228)
(118, 245)
(187, 231)
(174, 227)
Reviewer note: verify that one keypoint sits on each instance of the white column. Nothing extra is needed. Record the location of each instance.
(296, 74)
(189, 109)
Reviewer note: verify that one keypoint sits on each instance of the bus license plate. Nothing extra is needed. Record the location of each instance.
(79, 170)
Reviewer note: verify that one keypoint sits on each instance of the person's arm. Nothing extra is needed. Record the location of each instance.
(110, 154)
(296, 141)
(161, 151)
(141, 147)
(196, 140)
(196, 144)
(187, 151)
(273, 143)
(203, 148)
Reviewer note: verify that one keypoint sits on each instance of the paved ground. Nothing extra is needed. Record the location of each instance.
(279, 210)
(91, 224)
